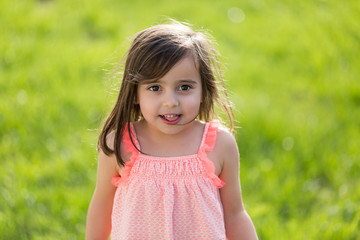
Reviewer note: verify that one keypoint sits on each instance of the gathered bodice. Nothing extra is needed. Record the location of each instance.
(169, 198)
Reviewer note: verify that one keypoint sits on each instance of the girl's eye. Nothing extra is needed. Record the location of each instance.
(184, 87)
(154, 88)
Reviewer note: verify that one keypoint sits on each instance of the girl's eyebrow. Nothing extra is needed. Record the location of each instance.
(151, 81)
(188, 81)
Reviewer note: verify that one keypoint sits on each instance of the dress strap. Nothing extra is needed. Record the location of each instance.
(209, 138)
(129, 147)
(130, 142)
(207, 145)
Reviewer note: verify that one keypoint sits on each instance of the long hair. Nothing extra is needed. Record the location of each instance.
(153, 52)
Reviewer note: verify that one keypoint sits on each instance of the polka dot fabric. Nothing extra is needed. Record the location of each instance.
(169, 198)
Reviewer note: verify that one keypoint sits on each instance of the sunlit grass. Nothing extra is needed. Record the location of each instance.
(292, 70)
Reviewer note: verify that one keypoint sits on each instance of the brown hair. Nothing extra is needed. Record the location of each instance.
(153, 52)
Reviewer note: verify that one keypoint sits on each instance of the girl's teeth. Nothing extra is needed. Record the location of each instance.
(171, 118)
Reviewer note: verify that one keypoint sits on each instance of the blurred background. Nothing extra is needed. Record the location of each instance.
(292, 69)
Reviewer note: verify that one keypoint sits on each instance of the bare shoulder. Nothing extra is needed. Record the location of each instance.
(225, 153)
(111, 159)
(226, 142)
(107, 162)
(110, 139)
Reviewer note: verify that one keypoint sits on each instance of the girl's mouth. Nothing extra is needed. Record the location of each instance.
(171, 119)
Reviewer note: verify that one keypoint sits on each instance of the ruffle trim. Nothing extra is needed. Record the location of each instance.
(207, 146)
(130, 148)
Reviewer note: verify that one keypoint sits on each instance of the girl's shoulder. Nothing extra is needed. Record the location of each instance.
(223, 132)
(225, 151)
(110, 141)
(225, 140)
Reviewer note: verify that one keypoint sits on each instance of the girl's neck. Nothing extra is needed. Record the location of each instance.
(182, 143)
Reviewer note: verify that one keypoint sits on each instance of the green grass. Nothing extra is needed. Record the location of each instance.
(292, 68)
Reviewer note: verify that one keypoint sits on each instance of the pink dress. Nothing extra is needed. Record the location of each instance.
(169, 197)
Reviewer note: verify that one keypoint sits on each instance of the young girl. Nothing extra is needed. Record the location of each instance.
(167, 168)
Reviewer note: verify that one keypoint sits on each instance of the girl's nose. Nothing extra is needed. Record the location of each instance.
(170, 99)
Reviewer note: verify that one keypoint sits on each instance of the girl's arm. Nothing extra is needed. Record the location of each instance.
(238, 224)
(98, 224)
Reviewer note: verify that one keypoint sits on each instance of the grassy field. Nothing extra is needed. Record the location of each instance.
(292, 68)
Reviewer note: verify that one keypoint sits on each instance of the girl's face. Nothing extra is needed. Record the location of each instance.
(174, 99)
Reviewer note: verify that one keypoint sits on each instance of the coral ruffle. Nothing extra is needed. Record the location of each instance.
(207, 146)
(129, 147)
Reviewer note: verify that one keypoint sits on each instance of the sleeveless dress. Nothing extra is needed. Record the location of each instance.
(170, 198)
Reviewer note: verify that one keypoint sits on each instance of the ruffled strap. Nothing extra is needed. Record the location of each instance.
(129, 147)
(207, 145)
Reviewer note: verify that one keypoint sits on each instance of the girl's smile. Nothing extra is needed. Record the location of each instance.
(171, 119)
